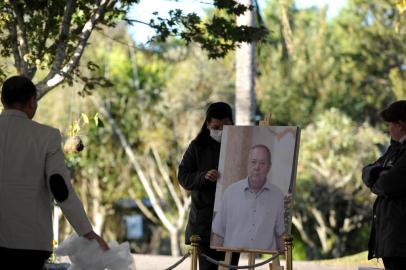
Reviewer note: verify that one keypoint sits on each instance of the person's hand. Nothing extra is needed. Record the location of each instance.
(212, 175)
(92, 235)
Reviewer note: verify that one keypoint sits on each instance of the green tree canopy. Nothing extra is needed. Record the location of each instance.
(52, 35)
(355, 62)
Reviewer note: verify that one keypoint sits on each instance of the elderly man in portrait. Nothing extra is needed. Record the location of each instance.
(251, 215)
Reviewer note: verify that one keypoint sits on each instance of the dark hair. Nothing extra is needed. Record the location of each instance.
(218, 110)
(395, 112)
(17, 90)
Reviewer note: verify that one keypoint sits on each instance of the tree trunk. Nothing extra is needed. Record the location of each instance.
(97, 210)
(284, 6)
(245, 101)
(175, 242)
(170, 226)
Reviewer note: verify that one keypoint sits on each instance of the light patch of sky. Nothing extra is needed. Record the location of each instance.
(334, 6)
(144, 12)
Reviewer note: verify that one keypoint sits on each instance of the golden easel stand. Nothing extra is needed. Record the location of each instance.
(274, 265)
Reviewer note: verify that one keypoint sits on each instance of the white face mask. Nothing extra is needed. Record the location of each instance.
(216, 134)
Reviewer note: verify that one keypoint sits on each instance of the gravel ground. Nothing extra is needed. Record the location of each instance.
(156, 262)
(159, 262)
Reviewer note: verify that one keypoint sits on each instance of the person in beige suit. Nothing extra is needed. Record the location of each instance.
(32, 174)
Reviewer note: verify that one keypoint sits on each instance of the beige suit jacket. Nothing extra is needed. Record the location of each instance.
(29, 154)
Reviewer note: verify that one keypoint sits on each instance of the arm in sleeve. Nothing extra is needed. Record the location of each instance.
(370, 174)
(71, 206)
(218, 228)
(188, 175)
(280, 221)
(392, 183)
(219, 220)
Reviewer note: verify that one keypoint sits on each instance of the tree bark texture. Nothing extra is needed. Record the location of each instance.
(245, 100)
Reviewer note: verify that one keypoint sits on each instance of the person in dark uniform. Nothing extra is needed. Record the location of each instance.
(386, 178)
(198, 173)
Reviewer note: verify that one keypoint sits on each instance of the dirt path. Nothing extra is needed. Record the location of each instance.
(155, 262)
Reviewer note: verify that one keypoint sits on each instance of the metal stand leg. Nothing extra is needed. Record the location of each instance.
(288, 251)
(194, 239)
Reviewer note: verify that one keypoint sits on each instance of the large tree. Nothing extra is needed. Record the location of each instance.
(129, 157)
(47, 39)
(51, 36)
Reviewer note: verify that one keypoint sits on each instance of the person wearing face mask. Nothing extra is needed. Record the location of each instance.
(386, 178)
(198, 174)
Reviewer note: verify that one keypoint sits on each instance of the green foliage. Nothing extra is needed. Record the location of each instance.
(354, 63)
(77, 125)
(137, 80)
(341, 73)
(217, 35)
(331, 197)
(231, 6)
(40, 25)
(286, 83)
(51, 36)
(299, 247)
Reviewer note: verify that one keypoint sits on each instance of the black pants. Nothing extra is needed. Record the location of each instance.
(394, 263)
(24, 259)
(217, 255)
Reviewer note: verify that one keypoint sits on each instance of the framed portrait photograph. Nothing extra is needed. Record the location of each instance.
(254, 193)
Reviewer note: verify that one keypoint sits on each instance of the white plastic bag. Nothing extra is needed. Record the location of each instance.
(86, 254)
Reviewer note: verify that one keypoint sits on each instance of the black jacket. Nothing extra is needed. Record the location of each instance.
(201, 156)
(388, 233)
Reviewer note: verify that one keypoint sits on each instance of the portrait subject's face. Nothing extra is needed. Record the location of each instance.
(259, 165)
